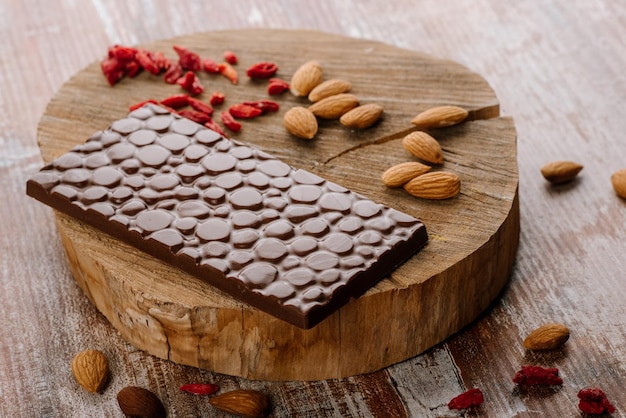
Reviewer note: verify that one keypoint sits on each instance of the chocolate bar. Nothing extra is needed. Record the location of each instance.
(281, 239)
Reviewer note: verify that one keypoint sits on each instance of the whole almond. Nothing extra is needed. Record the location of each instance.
(618, 179)
(560, 171)
(399, 174)
(329, 88)
(300, 122)
(246, 403)
(333, 107)
(362, 117)
(440, 117)
(547, 337)
(91, 370)
(424, 147)
(308, 76)
(139, 402)
(435, 185)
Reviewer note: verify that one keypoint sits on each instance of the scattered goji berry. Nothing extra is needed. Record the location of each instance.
(176, 101)
(210, 66)
(229, 72)
(244, 111)
(262, 70)
(473, 397)
(187, 59)
(212, 125)
(264, 105)
(122, 53)
(230, 57)
(229, 122)
(162, 63)
(191, 83)
(141, 104)
(200, 106)
(132, 68)
(277, 86)
(194, 115)
(217, 98)
(200, 388)
(144, 58)
(113, 69)
(536, 375)
(594, 401)
(173, 74)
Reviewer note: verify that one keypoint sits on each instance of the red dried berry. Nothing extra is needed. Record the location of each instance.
(195, 116)
(112, 69)
(200, 388)
(262, 70)
(187, 59)
(229, 122)
(200, 106)
(191, 83)
(244, 111)
(210, 66)
(217, 98)
(132, 68)
(229, 72)
(593, 401)
(536, 375)
(176, 101)
(144, 58)
(230, 57)
(264, 105)
(212, 125)
(162, 63)
(473, 397)
(173, 74)
(122, 53)
(141, 104)
(277, 86)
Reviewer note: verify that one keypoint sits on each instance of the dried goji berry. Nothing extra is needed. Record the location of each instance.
(194, 115)
(264, 105)
(191, 83)
(262, 70)
(244, 111)
(176, 101)
(162, 63)
(277, 86)
(113, 69)
(230, 57)
(217, 98)
(122, 53)
(144, 58)
(200, 106)
(215, 127)
(187, 59)
(210, 66)
(473, 397)
(229, 72)
(173, 74)
(141, 104)
(536, 375)
(200, 388)
(594, 401)
(132, 68)
(229, 122)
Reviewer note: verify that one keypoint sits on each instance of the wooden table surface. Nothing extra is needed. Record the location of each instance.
(558, 69)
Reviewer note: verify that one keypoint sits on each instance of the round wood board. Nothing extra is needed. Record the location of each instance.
(473, 237)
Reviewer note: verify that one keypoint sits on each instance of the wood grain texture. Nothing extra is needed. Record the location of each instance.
(473, 237)
(557, 68)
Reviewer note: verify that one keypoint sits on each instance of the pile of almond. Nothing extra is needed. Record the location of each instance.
(330, 100)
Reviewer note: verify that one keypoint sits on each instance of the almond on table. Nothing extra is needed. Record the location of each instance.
(558, 172)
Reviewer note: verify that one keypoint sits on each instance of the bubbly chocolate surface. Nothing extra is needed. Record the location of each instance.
(279, 238)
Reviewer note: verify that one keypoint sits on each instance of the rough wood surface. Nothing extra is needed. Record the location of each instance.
(473, 237)
(556, 67)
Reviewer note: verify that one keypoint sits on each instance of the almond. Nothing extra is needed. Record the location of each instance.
(247, 403)
(424, 147)
(401, 173)
(140, 402)
(329, 88)
(300, 122)
(561, 171)
(308, 76)
(547, 337)
(618, 179)
(435, 185)
(333, 107)
(362, 117)
(91, 370)
(440, 117)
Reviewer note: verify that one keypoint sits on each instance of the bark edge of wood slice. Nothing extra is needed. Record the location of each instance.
(461, 271)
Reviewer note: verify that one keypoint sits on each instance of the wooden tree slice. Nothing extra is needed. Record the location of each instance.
(473, 237)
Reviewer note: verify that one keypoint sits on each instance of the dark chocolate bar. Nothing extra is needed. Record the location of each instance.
(279, 238)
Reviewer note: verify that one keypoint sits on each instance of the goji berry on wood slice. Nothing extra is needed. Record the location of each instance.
(536, 375)
(210, 66)
(230, 57)
(194, 115)
(122, 53)
(471, 398)
(113, 69)
(144, 58)
(176, 101)
(132, 68)
(593, 401)
(173, 74)
(200, 106)
(244, 111)
(141, 104)
(200, 388)
(212, 125)
(264, 105)
(277, 86)
(217, 98)
(191, 83)
(229, 122)
(162, 63)
(229, 72)
(189, 60)
(262, 70)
